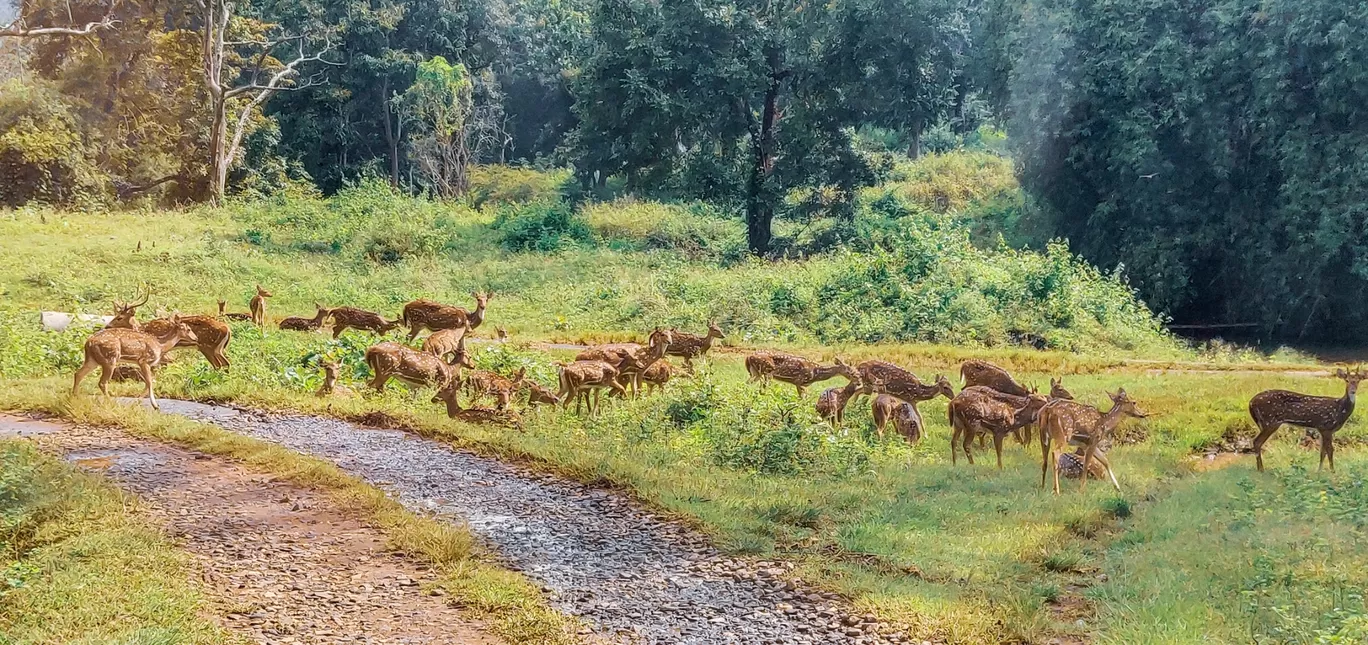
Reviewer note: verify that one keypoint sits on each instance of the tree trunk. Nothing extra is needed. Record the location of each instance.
(391, 141)
(759, 203)
(218, 156)
(914, 147)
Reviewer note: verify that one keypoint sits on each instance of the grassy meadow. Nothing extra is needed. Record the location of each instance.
(1193, 549)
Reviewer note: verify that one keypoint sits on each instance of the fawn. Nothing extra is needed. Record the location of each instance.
(330, 386)
(445, 341)
(299, 323)
(109, 347)
(258, 306)
(1064, 422)
(536, 394)
(481, 382)
(657, 375)
(579, 378)
(832, 402)
(690, 346)
(450, 395)
(1057, 390)
(907, 421)
(392, 360)
(983, 408)
(643, 357)
(1273, 408)
(231, 315)
(345, 318)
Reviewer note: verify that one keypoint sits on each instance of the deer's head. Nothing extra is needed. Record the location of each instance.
(660, 339)
(1029, 412)
(714, 331)
(262, 292)
(847, 371)
(943, 387)
(1057, 390)
(538, 394)
(125, 314)
(502, 333)
(185, 332)
(387, 326)
(481, 298)
(1125, 404)
(519, 378)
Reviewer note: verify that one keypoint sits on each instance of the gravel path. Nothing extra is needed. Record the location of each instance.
(634, 577)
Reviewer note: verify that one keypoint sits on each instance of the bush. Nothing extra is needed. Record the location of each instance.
(949, 182)
(540, 226)
(498, 184)
(43, 153)
(694, 229)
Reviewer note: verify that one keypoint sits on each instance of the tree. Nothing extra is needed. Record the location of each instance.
(441, 105)
(20, 26)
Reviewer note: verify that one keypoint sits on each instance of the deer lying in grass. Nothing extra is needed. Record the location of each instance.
(906, 420)
(344, 318)
(831, 403)
(629, 373)
(538, 395)
(258, 306)
(580, 378)
(109, 347)
(299, 323)
(330, 388)
(392, 360)
(446, 341)
(1273, 408)
(211, 336)
(231, 315)
(423, 314)
(802, 373)
(451, 396)
(690, 346)
(481, 383)
(1064, 422)
(977, 409)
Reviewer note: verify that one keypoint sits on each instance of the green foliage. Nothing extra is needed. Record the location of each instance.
(540, 226)
(694, 230)
(500, 184)
(43, 152)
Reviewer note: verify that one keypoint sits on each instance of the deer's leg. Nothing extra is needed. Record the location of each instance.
(1102, 459)
(338, 329)
(107, 372)
(1087, 464)
(413, 333)
(1054, 465)
(1264, 433)
(969, 433)
(1044, 456)
(956, 431)
(81, 373)
(147, 381)
(1327, 450)
(381, 378)
(997, 445)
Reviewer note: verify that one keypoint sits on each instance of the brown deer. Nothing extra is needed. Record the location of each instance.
(1064, 422)
(690, 346)
(629, 374)
(1273, 408)
(330, 388)
(761, 365)
(211, 336)
(880, 377)
(450, 395)
(445, 341)
(982, 373)
(981, 408)
(344, 318)
(231, 315)
(109, 347)
(258, 306)
(1057, 390)
(579, 378)
(802, 373)
(392, 360)
(423, 314)
(657, 375)
(536, 394)
(907, 421)
(831, 403)
(300, 323)
(480, 383)
(501, 334)
(125, 314)
(476, 318)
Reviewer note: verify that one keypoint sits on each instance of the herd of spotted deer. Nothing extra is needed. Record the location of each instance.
(990, 403)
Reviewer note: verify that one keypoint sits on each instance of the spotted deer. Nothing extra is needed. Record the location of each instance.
(657, 375)
(445, 341)
(125, 313)
(539, 395)
(802, 373)
(1064, 422)
(109, 347)
(980, 408)
(762, 364)
(451, 396)
(629, 373)
(881, 377)
(258, 306)
(211, 336)
(831, 403)
(1057, 390)
(982, 373)
(481, 383)
(417, 369)
(690, 346)
(231, 315)
(906, 420)
(330, 388)
(580, 378)
(344, 318)
(423, 314)
(501, 334)
(300, 323)
(1272, 409)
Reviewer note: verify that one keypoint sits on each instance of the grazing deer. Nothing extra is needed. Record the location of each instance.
(1273, 408)
(445, 341)
(643, 357)
(423, 314)
(330, 388)
(344, 318)
(983, 408)
(832, 402)
(882, 377)
(761, 365)
(231, 315)
(1057, 390)
(480, 383)
(657, 375)
(1064, 422)
(450, 395)
(536, 394)
(211, 336)
(579, 378)
(907, 421)
(392, 360)
(802, 373)
(690, 346)
(109, 347)
(258, 306)
(299, 323)
(982, 373)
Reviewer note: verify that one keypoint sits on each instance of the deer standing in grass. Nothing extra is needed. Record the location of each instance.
(300, 323)
(109, 347)
(629, 373)
(882, 377)
(762, 364)
(392, 360)
(211, 336)
(657, 375)
(231, 315)
(979, 408)
(831, 403)
(446, 341)
(580, 378)
(1064, 422)
(906, 419)
(802, 373)
(690, 346)
(976, 372)
(423, 314)
(345, 318)
(258, 306)
(1273, 408)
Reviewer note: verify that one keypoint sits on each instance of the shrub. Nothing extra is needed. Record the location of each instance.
(43, 153)
(540, 226)
(950, 182)
(499, 184)
(694, 229)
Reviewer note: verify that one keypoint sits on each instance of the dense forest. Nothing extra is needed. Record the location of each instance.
(1212, 150)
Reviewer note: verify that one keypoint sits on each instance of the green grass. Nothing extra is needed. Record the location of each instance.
(79, 565)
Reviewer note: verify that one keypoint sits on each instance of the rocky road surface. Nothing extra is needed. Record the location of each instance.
(634, 577)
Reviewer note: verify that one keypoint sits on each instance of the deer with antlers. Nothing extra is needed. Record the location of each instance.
(1272, 409)
(629, 373)
(423, 314)
(258, 306)
(211, 336)
(300, 323)
(344, 318)
(231, 315)
(980, 409)
(109, 347)
(690, 346)
(1064, 422)
(906, 419)
(392, 360)
(831, 403)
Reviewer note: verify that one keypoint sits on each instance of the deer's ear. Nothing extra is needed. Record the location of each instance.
(1340, 373)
